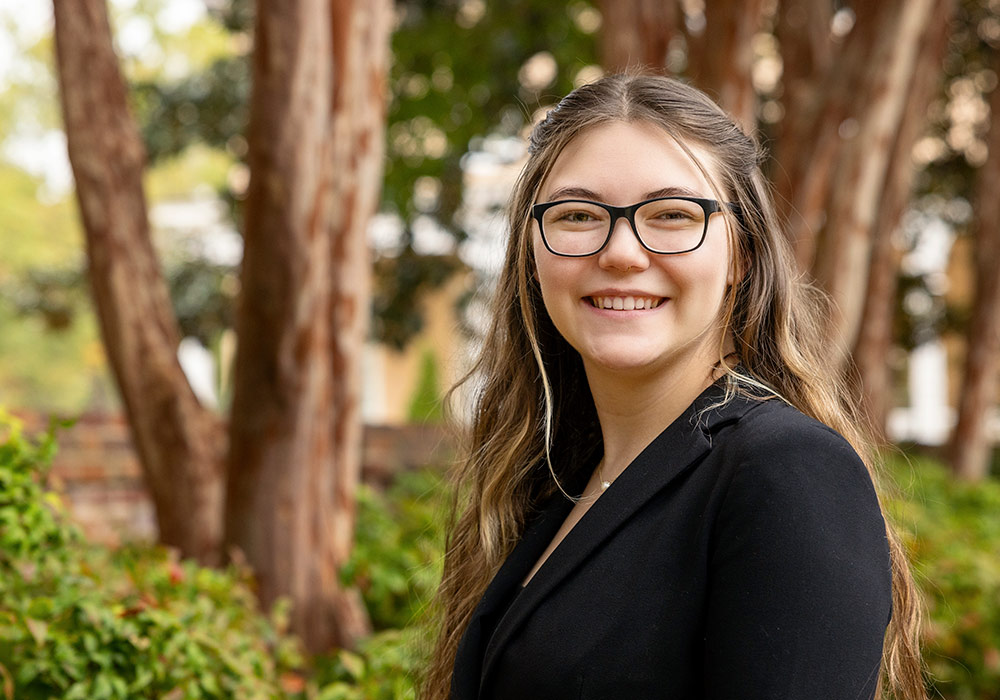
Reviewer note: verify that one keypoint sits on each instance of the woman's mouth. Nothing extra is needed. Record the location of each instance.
(626, 303)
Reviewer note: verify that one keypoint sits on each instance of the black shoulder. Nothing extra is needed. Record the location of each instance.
(776, 440)
(800, 578)
(802, 487)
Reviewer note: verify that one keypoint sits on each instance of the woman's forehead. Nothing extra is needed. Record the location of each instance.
(630, 160)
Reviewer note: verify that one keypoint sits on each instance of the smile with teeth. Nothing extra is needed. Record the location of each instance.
(625, 303)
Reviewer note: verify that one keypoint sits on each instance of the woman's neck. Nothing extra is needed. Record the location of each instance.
(634, 408)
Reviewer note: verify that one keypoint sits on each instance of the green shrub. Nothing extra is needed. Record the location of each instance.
(397, 556)
(79, 621)
(83, 621)
(952, 530)
(427, 406)
(396, 564)
(385, 667)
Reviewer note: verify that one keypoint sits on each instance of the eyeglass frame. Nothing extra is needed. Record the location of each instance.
(709, 206)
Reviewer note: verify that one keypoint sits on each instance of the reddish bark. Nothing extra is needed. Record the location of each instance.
(316, 146)
(874, 343)
(856, 191)
(971, 446)
(725, 67)
(178, 441)
(828, 111)
(636, 33)
(807, 51)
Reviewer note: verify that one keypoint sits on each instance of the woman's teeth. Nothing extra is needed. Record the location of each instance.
(625, 303)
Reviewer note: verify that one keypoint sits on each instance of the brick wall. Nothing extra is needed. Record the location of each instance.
(98, 473)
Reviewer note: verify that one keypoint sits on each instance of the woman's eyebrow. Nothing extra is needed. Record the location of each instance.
(574, 193)
(672, 192)
(584, 193)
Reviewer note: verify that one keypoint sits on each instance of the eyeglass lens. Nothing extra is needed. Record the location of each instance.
(663, 225)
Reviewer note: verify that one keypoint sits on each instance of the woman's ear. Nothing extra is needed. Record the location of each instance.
(531, 256)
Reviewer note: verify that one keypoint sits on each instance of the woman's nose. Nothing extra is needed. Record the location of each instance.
(624, 251)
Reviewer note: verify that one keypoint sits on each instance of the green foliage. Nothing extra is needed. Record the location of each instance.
(39, 369)
(209, 107)
(403, 280)
(203, 295)
(385, 667)
(426, 404)
(396, 561)
(952, 530)
(81, 621)
(456, 75)
(77, 621)
(54, 294)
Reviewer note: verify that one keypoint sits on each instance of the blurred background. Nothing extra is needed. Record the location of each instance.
(249, 275)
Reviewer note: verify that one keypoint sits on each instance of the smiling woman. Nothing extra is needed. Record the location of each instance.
(686, 278)
(674, 498)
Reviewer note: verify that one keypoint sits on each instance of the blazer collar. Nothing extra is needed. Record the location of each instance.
(680, 446)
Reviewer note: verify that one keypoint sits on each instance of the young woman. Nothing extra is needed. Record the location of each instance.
(662, 494)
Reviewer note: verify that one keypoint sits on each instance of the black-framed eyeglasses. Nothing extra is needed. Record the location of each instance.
(576, 228)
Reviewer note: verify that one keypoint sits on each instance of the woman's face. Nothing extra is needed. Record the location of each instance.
(621, 164)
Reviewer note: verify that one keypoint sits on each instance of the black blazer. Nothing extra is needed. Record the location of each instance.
(742, 555)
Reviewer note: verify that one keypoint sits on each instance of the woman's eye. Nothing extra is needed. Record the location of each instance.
(577, 217)
(673, 214)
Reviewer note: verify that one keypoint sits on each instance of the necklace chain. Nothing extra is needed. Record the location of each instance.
(605, 483)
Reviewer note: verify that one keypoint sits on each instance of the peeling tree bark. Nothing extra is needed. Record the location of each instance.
(725, 70)
(828, 111)
(316, 148)
(844, 254)
(807, 52)
(637, 33)
(179, 442)
(875, 333)
(970, 444)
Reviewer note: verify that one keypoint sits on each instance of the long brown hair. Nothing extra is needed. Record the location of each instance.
(533, 414)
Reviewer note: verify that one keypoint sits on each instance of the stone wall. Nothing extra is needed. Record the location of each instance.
(98, 473)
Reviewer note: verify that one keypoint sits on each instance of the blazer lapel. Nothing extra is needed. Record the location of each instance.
(679, 446)
(505, 584)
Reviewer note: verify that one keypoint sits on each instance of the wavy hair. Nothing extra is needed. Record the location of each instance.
(534, 419)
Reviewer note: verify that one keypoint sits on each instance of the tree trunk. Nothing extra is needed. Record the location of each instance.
(179, 442)
(875, 333)
(829, 115)
(725, 68)
(845, 251)
(316, 148)
(970, 445)
(636, 33)
(807, 52)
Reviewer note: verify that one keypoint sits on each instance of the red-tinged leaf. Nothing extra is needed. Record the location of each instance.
(39, 630)
(292, 682)
(8, 683)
